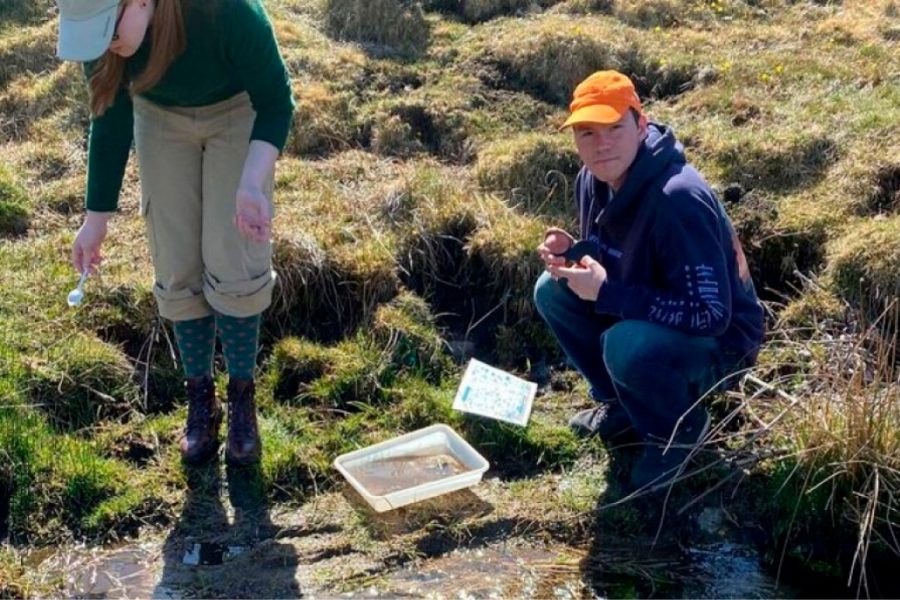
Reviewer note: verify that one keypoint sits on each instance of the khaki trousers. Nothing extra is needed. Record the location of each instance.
(191, 160)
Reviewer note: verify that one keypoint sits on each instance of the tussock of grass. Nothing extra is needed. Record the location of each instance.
(13, 580)
(33, 97)
(430, 120)
(310, 55)
(406, 330)
(864, 264)
(295, 363)
(399, 24)
(475, 11)
(839, 461)
(323, 122)
(442, 216)
(648, 14)
(816, 310)
(584, 7)
(82, 382)
(335, 266)
(779, 240)
(354, 373)
(550, 55)
(885, 190)
(776, 165)
(14, 213)
(536, 170)
(23, 12)
(505, 249)
(27, 51)
(60, 484)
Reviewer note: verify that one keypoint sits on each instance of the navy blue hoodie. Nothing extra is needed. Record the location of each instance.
(670, 252)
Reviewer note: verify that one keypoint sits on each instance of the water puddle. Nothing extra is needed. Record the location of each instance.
(722, 570)
(131, 571)
(727, 570)
(155, 567)
(381, 477)
(492, 572)
(503, 570)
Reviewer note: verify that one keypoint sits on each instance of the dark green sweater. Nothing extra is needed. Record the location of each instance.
(231, 48)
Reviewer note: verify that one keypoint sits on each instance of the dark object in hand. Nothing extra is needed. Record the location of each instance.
(580, 249)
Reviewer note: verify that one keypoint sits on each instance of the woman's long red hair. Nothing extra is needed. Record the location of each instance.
(168, 42)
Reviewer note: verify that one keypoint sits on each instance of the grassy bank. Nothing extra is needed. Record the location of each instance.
(420, 173)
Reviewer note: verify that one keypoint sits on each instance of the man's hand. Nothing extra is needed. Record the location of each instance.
(253, 214)
(556, 242)
(585, 279)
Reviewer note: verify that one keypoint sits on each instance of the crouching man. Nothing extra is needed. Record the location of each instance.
(661, 307)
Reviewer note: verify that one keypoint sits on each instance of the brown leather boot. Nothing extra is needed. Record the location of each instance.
(200, 441)
(243, 433)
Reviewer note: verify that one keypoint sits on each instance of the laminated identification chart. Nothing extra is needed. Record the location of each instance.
(493, 393)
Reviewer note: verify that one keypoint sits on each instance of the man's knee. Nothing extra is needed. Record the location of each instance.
(545, 292)
(631, 349)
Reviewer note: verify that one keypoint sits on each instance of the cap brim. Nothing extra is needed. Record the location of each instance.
(86, 39)
(602, 114)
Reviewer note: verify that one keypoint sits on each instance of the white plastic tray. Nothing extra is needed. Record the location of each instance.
(439, 438)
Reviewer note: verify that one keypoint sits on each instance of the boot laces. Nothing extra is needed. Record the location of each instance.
(239, 408)
(199, 407)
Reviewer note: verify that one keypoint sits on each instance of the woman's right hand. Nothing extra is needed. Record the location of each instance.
(86, 248)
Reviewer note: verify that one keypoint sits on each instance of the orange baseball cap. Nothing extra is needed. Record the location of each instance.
(604, 97)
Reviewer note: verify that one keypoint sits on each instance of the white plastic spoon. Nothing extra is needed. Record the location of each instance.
(77, 295)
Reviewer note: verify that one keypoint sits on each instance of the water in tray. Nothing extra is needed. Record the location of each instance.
(381, 477)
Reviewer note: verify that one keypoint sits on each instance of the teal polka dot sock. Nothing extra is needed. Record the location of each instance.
(240, 340)
(196, 340)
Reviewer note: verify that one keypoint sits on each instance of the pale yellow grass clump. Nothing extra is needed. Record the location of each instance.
(482, 10)
(864, 264)
(839, 437)
(399, 24)
(534, 170)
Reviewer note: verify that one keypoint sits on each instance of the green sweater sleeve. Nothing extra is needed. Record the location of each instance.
(109, 144)
(253, 52)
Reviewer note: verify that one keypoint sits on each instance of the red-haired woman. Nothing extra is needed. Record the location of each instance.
(201, 88)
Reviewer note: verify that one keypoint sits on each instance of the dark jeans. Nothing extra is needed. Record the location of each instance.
(655, 372)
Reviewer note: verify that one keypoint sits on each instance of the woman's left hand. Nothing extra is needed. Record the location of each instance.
(253, 214)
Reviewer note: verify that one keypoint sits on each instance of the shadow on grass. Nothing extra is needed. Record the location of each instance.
(209, 555)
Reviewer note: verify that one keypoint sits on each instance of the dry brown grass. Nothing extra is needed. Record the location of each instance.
(535, 171)
(397, 24)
